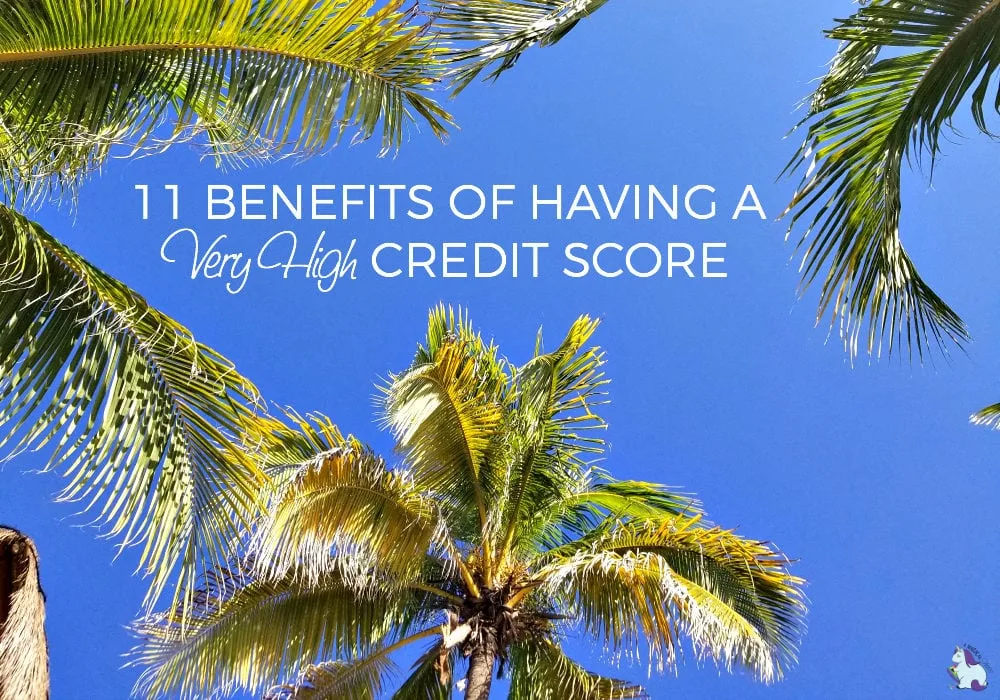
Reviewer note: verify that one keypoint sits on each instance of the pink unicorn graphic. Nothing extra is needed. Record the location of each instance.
(967, 671)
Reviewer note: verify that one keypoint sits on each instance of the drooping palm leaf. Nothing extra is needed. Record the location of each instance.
(870, 118)
(501, 30)
(333, 680)
(540, 670)
(444, 413)
(138, 415)
(347, 502)
(655, 580)
(77, 78)
(432, 677)
(244, 633)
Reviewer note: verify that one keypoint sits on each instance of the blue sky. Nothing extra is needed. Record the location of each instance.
(870, 475)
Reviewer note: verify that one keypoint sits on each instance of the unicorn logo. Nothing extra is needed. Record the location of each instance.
(967, 671)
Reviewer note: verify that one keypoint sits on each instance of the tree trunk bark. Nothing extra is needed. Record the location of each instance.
(480, 676)
(24, 658)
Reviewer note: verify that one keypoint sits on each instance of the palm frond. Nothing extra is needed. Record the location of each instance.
(246, 633)
(501, 30)
(444, 413)
(334, 680)
(75, 79)
(138, 415)
(657, 580)
(24, 656)
(989, 417)
(540, 670)
(595, 500)
(870, 117)
(347, 502)
(432, 677)
(550, 428)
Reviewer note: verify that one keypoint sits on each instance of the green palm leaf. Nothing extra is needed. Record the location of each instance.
(432, 676)
(137, 414)
(75, 79)
(553, 420)
(445, 412)
(870, 117)
(540, 670)
(501, 30)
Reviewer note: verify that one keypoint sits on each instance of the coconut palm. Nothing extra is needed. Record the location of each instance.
(24, 659)
(494, 537)
(145, 421)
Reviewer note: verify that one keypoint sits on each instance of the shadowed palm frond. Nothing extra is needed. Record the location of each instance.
(138, 415)
(540, 670)
(501, 30)
(333, 680)
(870, 116)
(595, 502)
(77, 78)
(432, 677)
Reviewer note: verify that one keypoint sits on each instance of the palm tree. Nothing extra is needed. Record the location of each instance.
(494, 537)
(146, 422)
(24, 658)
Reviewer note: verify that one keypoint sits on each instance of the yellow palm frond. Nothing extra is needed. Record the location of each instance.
(77, 78)
(654, 580)
(244, 633)
(346, 501)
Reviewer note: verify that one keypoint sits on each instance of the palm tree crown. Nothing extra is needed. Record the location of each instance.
(494, 537)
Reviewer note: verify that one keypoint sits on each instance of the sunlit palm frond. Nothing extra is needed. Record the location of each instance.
(444, 420)
(595, 500)
(872, 117)
(540, 670)
(334, 680)
(77, 78)
(501, 30)
(245, 634)
(139, 416)
(988, 417)
(348, 502)
(655, 580)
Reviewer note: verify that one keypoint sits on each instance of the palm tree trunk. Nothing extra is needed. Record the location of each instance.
(24, 658)
(480, 676)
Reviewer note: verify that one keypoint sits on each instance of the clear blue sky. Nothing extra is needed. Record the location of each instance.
(870, 475)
